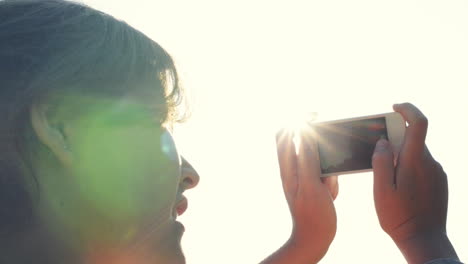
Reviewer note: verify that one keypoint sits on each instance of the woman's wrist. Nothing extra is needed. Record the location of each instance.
(296, 251)
(311, 251)
(427, 246)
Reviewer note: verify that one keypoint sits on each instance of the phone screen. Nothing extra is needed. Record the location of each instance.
(349, 146)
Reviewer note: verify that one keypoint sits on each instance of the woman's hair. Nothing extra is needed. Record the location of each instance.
(56, 47)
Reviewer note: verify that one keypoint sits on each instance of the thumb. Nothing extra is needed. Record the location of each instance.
(384, 171)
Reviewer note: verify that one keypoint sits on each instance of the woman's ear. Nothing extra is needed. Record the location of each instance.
(49, 135)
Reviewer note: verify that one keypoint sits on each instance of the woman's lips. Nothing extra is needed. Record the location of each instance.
(182, 206)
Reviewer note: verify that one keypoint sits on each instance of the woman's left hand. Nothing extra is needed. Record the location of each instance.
(310, 199)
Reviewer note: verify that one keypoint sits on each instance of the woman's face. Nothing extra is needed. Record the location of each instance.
(123, 192)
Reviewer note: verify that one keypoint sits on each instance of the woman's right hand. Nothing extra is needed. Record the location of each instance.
(411, 198)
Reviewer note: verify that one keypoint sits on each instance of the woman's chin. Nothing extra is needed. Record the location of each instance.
(172, 249)
(169, 249)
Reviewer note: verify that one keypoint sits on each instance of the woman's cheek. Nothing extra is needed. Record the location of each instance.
(127, 174)
(122, 180)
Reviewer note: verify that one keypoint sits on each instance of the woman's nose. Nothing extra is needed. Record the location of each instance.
(190, 177)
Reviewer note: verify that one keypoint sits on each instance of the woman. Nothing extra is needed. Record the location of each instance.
(89, 171)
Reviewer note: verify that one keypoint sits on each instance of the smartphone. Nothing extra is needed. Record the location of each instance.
(346, 146)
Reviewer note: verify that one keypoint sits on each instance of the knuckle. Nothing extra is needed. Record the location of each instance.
(406, 104)
(439, 167)
(421, 122)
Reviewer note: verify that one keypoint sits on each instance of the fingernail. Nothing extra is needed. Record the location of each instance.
(382, 145)
(282, 134)
(279, 135)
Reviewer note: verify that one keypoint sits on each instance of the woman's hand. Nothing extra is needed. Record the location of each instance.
(411, 197)
(310, 199)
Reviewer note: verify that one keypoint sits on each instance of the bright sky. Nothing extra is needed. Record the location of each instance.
(245, 61)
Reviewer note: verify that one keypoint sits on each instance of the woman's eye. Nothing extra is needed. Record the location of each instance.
(168, 146)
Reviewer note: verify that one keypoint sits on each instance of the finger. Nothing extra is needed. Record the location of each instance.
(308, 162)
(287, 161)
(417, 126)
(384, 171)
(332, 185)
